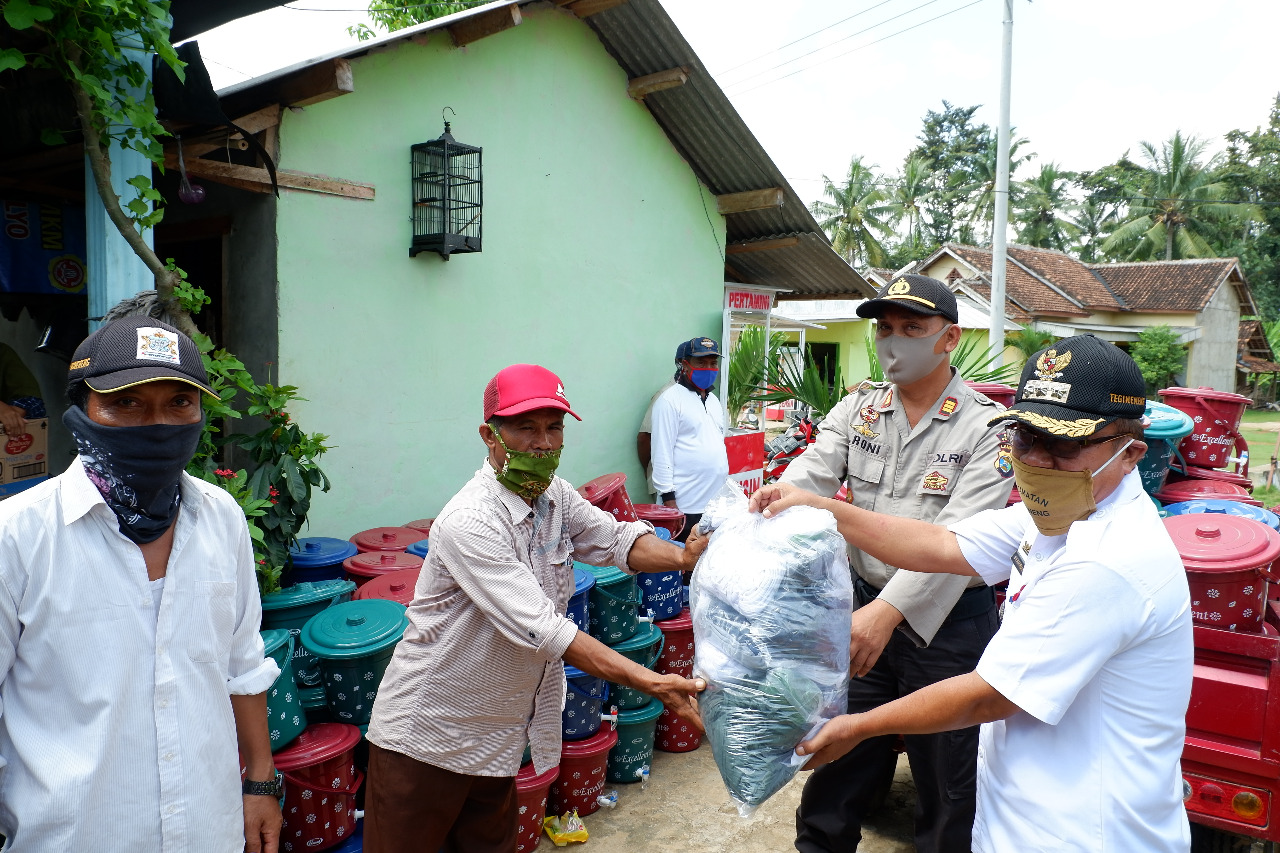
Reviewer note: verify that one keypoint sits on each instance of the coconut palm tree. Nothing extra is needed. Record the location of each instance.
(909, 195)
(856, 217)
(1182, 202)
(1097, 219)
(1046, 210)
(982, 188)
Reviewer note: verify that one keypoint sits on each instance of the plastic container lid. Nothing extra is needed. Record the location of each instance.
(386, 539)
(423, 524)
(529, 779)
(1194, 472)
(320, 551)
(1191, 490)
(662, 533)
(988, 387)
(318, 742)
(1167, 422)
(1222, 543)
(1206, 392)
(643, 714)
(603, 486)
(648, 635)
(393, 586)
(274, 638)
(683, 621)
(355, 629)
(601, 741)
(572, 672)
(604, 575)
(583, 580)
(419, 548)
(302, 594)
(649, 512)
(1221, 507)
(376, 563)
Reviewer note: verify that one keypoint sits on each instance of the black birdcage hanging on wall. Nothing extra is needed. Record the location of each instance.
(447, 196)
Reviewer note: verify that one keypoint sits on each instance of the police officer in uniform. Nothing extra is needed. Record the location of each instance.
(917, 446)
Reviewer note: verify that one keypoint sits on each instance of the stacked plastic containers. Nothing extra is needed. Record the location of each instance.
(1212, 460)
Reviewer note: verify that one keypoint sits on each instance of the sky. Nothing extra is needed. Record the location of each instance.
(821, 81)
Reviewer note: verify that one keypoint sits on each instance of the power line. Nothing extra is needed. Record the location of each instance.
(832, 44)
(802, 38)
(861, 47)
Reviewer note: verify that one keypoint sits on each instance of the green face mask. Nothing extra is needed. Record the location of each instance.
(527, 474)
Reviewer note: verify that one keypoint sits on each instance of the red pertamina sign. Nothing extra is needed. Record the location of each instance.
(748, 300)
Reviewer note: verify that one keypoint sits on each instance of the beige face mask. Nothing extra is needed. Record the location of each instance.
(1057, 499)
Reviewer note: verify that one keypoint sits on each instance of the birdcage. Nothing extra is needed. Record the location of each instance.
(447, 196)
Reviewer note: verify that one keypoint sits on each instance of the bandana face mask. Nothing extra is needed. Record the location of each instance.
(1057, 499)
(525, 473)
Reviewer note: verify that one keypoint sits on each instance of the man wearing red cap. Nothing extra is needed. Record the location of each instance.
(479, 674)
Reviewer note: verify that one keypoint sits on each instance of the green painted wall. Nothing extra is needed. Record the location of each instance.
(601, 252)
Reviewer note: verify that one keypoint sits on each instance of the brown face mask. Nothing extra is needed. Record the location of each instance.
(1057, 499)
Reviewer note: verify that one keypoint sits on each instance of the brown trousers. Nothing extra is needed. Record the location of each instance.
(413, 807)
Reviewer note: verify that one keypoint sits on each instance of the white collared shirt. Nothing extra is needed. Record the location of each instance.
(689, 455)
(1096, 650)
(116, 729)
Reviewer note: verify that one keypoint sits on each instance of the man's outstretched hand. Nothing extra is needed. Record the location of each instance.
(775, 497)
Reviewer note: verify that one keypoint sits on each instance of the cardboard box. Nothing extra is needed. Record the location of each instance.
(25, 460)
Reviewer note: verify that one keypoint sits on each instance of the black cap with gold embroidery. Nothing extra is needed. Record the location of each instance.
(917, 293)
(1076, 387)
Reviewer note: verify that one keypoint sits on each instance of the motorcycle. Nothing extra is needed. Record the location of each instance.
(781, 451)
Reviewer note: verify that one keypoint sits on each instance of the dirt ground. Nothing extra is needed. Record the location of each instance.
(686, 807)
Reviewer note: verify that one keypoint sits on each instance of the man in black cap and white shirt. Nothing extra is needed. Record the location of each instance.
(1083, 692)
(690, 462)
(131, 664)
(918, 446)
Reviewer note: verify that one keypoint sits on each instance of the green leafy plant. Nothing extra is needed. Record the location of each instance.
(805, 385)
(874, 371)
(1159, 356)
(748, 362)
(1029, 340)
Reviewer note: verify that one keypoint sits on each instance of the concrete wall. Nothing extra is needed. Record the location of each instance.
(599, 256)
(1212, 358)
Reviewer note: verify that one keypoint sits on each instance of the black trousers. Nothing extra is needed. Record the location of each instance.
(838, 796)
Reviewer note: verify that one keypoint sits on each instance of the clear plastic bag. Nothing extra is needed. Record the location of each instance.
(771, 601)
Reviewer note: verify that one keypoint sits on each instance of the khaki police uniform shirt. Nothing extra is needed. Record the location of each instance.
(949, 467)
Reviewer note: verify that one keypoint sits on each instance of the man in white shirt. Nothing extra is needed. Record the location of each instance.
(1083, 691)
(133, 670)
(690, 461)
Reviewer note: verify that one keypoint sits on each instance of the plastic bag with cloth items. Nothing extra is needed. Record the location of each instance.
(772, 600)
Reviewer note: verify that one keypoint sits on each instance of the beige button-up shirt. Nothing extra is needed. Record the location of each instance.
(478, 673)
(949, 467)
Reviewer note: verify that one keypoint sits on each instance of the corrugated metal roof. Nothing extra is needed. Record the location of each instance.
(707, 131)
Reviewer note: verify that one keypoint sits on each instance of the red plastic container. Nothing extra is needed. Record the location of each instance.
(363, 568)
(610, 494)
(423, 524)
(395, 586)
(1228, 561)
(675, 735)
(1195, 472)
(582, 765)
(998, 391)
(677, 651)
(1216, 415)
(320, 783)
(661, 516)
(531, 793)
(1197, 490)
(386, 539)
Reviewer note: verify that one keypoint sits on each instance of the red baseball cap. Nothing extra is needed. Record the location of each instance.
(522, 388)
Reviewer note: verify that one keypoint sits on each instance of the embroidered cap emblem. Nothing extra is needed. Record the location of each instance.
(560, 391)
(1049, 367)
(158, 345)
(899, 287)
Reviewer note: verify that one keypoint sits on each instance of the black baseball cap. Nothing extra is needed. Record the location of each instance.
(696, 347)
(917, 293)
(135, 350)
(1076, 387)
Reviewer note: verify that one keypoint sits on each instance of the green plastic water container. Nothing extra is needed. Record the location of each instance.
(286, 718)
(631, 757)
(291, 607)
(644, 648)
(354, 642)
(1168, 427)
(613, 605)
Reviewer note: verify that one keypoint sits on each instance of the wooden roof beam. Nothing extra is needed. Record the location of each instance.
(641, 87)
(477, 27)
(750, 200)
(259, 180)
(761, 245)
(587, 8)
(304, 87)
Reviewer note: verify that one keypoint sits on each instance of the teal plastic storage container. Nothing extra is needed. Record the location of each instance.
(286, 717)
(644, 648)
(613, 605)
(354, 642)
(1168, 427)
(631, 757)
(291, 607)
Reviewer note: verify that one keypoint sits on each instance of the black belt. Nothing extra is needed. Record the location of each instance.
(974, 602)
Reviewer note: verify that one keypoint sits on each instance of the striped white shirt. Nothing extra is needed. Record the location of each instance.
(478, 672)
(116, 731)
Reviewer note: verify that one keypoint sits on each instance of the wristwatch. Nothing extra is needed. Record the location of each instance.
(274, 788)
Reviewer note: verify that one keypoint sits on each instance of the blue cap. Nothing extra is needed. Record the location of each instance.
(696, 347)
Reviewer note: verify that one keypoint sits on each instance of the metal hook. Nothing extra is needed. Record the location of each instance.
(446, 121)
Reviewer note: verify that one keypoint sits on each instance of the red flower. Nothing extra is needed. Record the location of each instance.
(274, 501)
(226, 472)
(273, 492)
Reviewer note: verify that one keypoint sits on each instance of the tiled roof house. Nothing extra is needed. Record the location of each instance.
(1201, 300)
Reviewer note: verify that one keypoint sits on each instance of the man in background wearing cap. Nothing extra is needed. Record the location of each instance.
(690, 462)
(133, 670)
(917, 446)
(1083, 691)
(478, 674)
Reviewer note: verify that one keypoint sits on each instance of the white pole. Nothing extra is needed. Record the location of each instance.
(995, 337)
